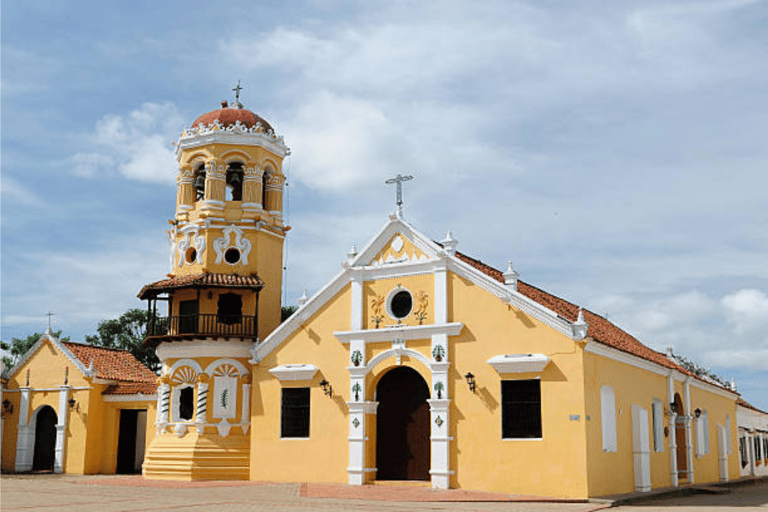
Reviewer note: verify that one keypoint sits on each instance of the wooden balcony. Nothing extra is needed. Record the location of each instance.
(184, 327)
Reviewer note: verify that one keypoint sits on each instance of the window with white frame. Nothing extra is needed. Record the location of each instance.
(608, 418)
(728, 433)
(702, 434)
(658, 425)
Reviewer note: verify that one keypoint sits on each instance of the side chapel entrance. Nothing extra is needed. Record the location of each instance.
(45, 439)
(680, 438)
(131, 441)
(402, 426)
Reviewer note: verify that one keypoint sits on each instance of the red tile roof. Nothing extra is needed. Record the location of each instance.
(131, 388)
(111, 364)
(740, 401)
(202, 280)
(599, 329)
(230, 115)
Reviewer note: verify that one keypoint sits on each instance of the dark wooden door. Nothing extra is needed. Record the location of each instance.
(402, 426)
(188, 317)
(126, 442)
(45, 439)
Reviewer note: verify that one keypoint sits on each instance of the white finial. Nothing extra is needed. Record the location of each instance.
(91, 371)
(352, 253)
(732, 384)
(670, 354)
(449, 244)
(303, 299)
(511, 276)
(580, 326)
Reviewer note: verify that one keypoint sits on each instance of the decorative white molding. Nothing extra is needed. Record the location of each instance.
(221, 244)
(236, 135)
(294, 372)
(519, 363)
(185, 362)
(236, 365)
(404, 332)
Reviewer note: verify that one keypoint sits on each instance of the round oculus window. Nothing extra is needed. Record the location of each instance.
(232, 256)
(191, 255)
(400, 304)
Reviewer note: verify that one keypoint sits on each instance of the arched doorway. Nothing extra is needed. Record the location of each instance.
(680, 439)
(402, 426)
(45, 439)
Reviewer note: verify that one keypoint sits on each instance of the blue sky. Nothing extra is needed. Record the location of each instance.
(615, 152)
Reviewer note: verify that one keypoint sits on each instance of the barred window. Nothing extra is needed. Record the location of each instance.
(294, 415)
(520, 409)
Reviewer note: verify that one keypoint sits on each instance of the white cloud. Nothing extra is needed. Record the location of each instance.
(14, 191)
(137, 145)
(747, 310)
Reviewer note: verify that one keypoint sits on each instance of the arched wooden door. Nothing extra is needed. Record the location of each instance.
(45, 439)
(681, 439)
(402, 426)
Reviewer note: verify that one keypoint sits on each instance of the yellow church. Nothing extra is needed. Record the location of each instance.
(415, 363)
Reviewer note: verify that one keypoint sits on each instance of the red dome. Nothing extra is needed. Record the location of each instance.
(228, 116)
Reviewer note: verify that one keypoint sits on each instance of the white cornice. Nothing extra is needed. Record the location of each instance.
(405, 332)
(194, 139)
(601, 349)
(518, 363)
(294, 372)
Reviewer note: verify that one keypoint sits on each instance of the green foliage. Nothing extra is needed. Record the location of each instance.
(20, 346)
(286, 312)
(224, 398)
(127, 333)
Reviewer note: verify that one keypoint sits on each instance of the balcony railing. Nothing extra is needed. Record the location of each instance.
(204, 325)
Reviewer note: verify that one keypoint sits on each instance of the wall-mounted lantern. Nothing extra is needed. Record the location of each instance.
(697, 412)
(327, 388)
(7, 406)
(672, 408)
(73, 405)
(470, 381)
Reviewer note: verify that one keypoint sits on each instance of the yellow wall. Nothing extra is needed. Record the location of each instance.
(324, 456)
(613, 472)
(87, 437)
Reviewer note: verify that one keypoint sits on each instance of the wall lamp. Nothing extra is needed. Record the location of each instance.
(73, 405)
(697, 412)
(470, 381)
(672, 408)
(7, 406)
(327, 388)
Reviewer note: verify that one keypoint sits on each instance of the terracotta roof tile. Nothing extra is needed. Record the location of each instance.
(599, 329)
(740, 401)
(131, 388)
(202, 280)
(110, 363)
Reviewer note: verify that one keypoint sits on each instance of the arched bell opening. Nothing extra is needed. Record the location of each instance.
(234, 180)
(199, 182)
(402, 426)
(45, 439)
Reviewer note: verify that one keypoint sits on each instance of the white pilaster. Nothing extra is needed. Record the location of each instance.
(688, 436)
(163, 406)
(24, 446)
(441, 293)
(356, 312)
(672, 433)
(440, 443)
(61, 429)
(358, 413)
(202, 405)
(245, 416)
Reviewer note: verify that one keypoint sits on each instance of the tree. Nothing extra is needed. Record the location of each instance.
(127, 333)
(20, 346)
(286, 312)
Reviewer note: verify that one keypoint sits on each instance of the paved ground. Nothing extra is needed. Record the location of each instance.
(109, 493)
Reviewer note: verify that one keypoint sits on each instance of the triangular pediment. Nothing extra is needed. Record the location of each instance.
(397, 243)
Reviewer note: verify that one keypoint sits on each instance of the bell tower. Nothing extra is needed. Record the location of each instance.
(222, 294)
